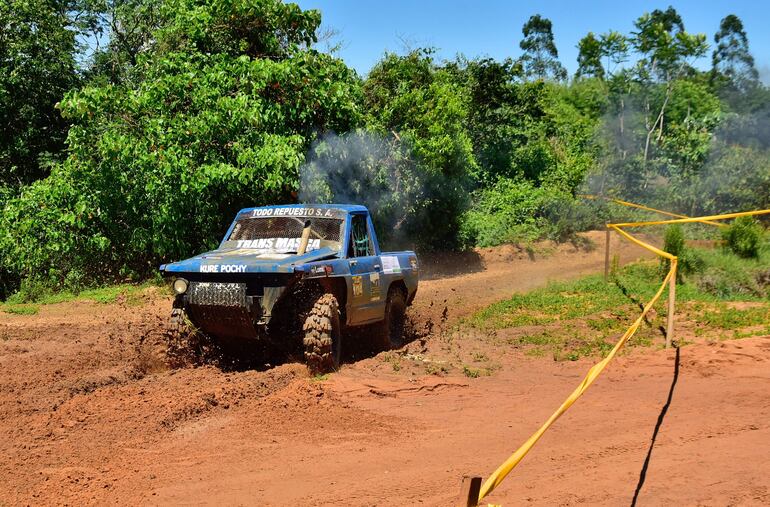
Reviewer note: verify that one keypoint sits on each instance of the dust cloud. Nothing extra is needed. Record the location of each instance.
(731, 175)
(365, 168)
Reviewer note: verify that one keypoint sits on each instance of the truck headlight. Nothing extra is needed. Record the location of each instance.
(180, 286)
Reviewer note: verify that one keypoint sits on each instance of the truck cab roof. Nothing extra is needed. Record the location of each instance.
(348, 208)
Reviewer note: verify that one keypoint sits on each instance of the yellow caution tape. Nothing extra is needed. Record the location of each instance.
(647, 208)
(497, 477)
(696, 219)
(503, 470)
(642, 244)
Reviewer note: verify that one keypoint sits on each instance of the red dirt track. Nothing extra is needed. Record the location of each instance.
(88, 415)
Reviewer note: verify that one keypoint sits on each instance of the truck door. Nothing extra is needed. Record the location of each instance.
(366, 298)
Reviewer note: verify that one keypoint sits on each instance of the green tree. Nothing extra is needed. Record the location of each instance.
(666, 51)
(694, 113)
(128, 27)
(265, 29)
(732, 63)
(589, 59)
(734, 177)
(37, 66)
(366, 167)
(425, 110)
(540, 59)
(230, 100)
(504, 116)
(668, 21)
(614, 47)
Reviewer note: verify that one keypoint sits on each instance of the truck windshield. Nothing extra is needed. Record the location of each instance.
(282, 235)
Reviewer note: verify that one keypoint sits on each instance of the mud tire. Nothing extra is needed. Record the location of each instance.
(179, 349)
(176, 335)
(391, 330)
(186, 345)
(177, 323)
(322, 336)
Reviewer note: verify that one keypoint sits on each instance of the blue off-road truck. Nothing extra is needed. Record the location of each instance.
(296, 276)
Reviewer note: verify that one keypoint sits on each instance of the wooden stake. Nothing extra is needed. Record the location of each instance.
(671, 301)
(469, 491)
(607, 256)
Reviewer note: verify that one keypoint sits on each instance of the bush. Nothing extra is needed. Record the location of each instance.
(567, 216)
(673, 241)
(518, 211)
(720, 273)
(744, 237)
(691, 261)
(504, 213)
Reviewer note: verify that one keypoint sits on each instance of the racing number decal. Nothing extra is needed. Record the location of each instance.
(358, 286)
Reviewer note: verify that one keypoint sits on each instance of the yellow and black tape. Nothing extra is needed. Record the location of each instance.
(509, 464)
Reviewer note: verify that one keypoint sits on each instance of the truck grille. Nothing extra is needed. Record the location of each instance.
(217, 294)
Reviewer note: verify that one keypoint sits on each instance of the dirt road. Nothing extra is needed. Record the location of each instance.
(88, 415)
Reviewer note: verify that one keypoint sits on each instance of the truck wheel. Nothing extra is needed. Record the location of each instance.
(177, 323)
(186, 345)
(392, 327)
(178, 344)
(322, 340)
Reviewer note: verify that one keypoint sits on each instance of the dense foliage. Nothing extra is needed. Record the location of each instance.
(37, 67)
(156, 169)
(745, 237)
(192, 109)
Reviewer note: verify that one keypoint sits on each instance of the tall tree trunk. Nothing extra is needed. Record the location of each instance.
(622, 125)
(658, 120)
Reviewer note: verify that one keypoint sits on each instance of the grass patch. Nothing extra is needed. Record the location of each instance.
(558, 301)
(737, 335)
(565, 344)
(480, 357)
(724, 317)
(20, 309)
(477, 372)
(536, 352)
(131, 294)
(393, 359)
(436, 369)
(569, 320)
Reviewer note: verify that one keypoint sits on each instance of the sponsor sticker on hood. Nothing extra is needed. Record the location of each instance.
(278, 244)
(223, 268)
(293, 212)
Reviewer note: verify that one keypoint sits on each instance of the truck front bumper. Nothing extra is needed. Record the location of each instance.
(223, 310)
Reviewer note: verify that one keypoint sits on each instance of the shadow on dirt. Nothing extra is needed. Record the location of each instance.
(191, 349)
(658, 424)
(638, 302)
(359, 345)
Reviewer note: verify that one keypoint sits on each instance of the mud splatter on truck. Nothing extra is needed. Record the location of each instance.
(296, 275)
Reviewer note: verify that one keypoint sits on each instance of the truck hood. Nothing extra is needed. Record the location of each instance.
(245, 260)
